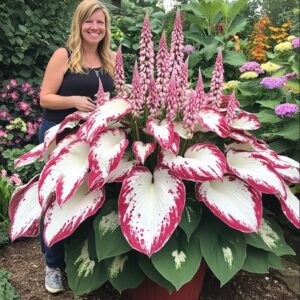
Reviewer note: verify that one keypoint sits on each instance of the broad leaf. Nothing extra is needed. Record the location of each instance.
(257, 261)
(142, 151)
(150, 208)
(29, 157)
(179, 260)
(292, 173)
(25, 211)
(246, 121)
(233, 201)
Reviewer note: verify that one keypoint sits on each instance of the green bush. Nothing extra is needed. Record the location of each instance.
(29, 35)
(7, 291)
(4, 229)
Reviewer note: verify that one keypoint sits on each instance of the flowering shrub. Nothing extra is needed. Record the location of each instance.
(163, 185)
(20, 115)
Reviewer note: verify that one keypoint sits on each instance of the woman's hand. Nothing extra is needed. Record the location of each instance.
(83, 103)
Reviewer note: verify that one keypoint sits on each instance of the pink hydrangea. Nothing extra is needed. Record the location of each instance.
(296, 42)
(23, 106)
(14, 95)
(3, 173)
(3, 114)
(2, 133)
(13, 82)
(25, 87)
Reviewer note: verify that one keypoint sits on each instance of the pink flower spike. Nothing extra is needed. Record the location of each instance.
(163, 67)
(136, 97)
(177, 42)
(182, 84)
(152, 99)
(190, 115)
(216, 85)
(172, 103)
(100, 94)
(119, 77)
(232, 108)
(200, 97)
(146, 56)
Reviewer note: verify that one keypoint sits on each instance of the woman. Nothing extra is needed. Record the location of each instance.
(70, 82)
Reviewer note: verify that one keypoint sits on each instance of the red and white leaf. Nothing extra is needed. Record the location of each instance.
(233, 201)
(25, 210)
(291, 207)
(201, 162)
(105, 155)
(73, 120)
(50, 138)
(243, 136)
(150, 208)
(182, 131)
(274, 159)
(248, 146)
(74, 166)
(174, 147)
(64, 143)
(142, 151)
(246, 121)
(62, 221)
(256, 171)
(292, 173)
(29, 157)
(123, 169)
(112, 110)
(213, 120)
(67, 168)
(162, 131)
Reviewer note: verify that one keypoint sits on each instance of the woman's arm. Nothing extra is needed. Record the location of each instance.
(54, 74)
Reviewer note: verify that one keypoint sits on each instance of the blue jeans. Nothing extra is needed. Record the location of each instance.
(54, 256)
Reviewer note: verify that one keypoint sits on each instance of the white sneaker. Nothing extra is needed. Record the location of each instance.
(53, 280)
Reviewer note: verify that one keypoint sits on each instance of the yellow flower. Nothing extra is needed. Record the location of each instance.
(17, 123)
(290, 38)
(249, 75)
(282, 47)
(270, 67)
(232, 84)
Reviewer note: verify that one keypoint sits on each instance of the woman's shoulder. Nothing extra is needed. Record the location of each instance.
(59, 59)
(61, 53)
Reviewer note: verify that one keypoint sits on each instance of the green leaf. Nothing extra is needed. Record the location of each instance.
(268, 103)
(293, 86)
(282, 146)
(194, 59)
(179, 260)
(207, 73)
(209, 51)
(235, 7)
(150, 271)
(267, 116)
(84, 273)
(256, 261)
(123, 272)
(190, 217)
(223, 249)
(238, 25)
(234, 58)
(270, 238)
(109, 238)
(275, 261)
(290, 130)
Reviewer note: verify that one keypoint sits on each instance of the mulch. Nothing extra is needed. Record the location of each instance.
(25, 261)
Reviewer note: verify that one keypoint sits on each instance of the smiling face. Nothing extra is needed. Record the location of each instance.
(93, 28)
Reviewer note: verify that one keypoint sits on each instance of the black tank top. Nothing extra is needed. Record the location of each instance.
(79, 84)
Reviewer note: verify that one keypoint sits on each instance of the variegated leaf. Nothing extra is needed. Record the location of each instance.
(256, 171)
(25, 210)
(292, 173)
(233, 201)
(29, 157)
(213, 120)
(246, 121)
(64, 143)
(50, 141)
(150, 208)
(163, 131)
(105, 155)
(182, 131)
(174, 147)
(142, 151)
(242, 136)
(112, 110)
(62, 221)
(291, 207)
(201, 162)
(73, 120)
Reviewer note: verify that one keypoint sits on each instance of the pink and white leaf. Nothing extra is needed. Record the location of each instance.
(233, 201)
(246, 121)
(243, 136)
(256, 171)
(105, 155)
(73, 120)
(291, 207)
(211, 119)
(150, 208)
(64, 143)
(181, 130)
(62, 221)
(163, 131)
(201, 162)
(292, 173)
(124, 167)
(29, 157)
(74, 166)
(174, 147)
(142, 151)
(25, 210)
(254, 145)
(50, 138)
(112, 110)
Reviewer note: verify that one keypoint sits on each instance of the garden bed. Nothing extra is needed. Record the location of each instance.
(25, 261)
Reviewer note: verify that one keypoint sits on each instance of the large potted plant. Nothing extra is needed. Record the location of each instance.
(156, 181)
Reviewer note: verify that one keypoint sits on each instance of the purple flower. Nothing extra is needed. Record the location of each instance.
(273, 82)
(286, 110)
(296, 42)
(25, 87)
(188, 49)
(251, 66)
(291, 75)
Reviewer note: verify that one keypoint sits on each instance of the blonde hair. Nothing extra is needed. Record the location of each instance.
(83, 11)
